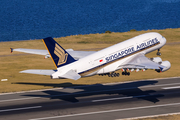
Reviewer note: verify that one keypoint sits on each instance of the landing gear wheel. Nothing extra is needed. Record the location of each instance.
(126, 73)
(112, 75)
(117, 74)
(158, 53)
(123, 73)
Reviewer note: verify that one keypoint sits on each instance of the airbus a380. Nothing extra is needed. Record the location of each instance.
(128, 56)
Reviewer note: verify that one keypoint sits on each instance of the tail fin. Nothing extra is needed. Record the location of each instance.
(59, 55)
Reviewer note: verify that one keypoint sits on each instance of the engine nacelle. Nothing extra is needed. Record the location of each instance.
(167, 65)
(156, 59)
(47, 56)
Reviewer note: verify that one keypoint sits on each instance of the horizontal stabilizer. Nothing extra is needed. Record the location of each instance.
(39, 72)
(71, 74)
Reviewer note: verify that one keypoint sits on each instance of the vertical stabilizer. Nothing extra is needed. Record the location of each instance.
(59, 55)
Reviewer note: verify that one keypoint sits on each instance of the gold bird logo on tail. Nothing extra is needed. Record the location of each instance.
(61, 54)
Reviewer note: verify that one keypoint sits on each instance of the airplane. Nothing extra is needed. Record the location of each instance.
(128, 56)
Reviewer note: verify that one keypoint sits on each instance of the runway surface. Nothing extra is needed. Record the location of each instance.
(98, 102)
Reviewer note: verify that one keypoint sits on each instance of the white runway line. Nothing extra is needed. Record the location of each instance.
(30, 91)
(28, 98)
(158, 85)
(108, 111)
(121, 98)
(150, 116)
(175, 87)
(25, 108)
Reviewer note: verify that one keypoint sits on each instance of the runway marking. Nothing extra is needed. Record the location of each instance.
(19, 99)
(25, 108)
(120, 98)
(175, 87)
(141, 80)
(159, 85)
(30, 91)
(150, 116)
(108, 111)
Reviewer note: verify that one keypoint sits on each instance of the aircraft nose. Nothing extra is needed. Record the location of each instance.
(163, 40)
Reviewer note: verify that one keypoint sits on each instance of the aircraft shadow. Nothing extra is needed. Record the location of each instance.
(67, 84)
(128, 89)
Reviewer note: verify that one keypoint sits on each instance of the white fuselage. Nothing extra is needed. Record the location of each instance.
(108, 59)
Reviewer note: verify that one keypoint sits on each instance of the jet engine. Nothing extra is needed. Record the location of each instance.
(156, 59)
(167, 65)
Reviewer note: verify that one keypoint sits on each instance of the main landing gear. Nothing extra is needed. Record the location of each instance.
(158, 53)
(112, 74)
(126, 73)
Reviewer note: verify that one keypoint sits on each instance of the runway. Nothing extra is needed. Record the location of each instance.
(101, 101)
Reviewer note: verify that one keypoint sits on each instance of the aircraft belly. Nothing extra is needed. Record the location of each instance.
(114, 65)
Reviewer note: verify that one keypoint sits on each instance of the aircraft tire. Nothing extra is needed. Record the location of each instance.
(123, 73)
(158, 53)
(117, 74)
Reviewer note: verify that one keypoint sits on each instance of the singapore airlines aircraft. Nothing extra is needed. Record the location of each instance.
(128, 56)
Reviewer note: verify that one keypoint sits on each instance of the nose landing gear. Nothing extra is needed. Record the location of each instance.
(158, 53)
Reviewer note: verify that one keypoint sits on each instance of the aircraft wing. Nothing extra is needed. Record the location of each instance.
(141, 62)
(75, 54)
(31, 51)
(80, 54)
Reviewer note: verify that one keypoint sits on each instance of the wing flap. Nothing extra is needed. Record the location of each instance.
(141, 62)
